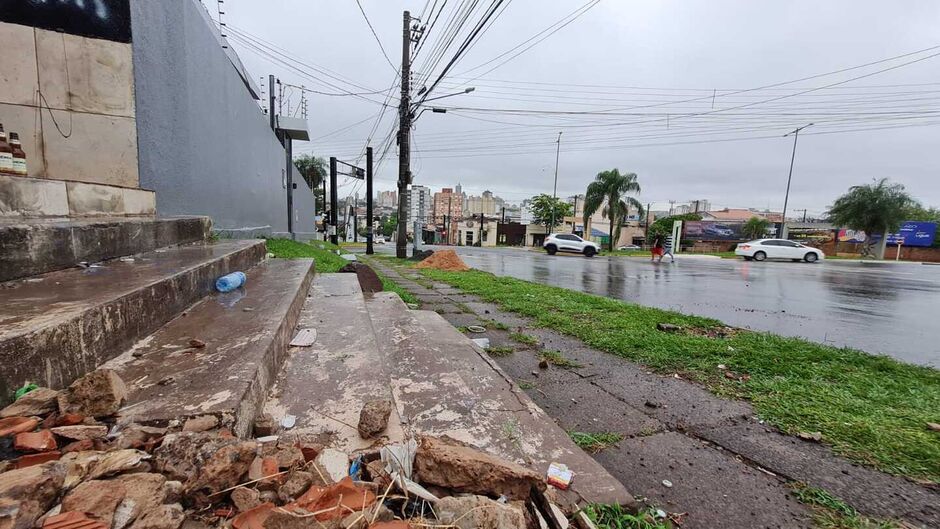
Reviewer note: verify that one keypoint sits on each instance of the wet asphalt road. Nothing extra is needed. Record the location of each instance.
(879, 308)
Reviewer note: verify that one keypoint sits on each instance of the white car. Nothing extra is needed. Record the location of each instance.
(378, 239)
(569, 242)
(629, 247)
(763, 249)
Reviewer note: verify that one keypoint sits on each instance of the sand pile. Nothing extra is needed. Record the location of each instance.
(444, 260)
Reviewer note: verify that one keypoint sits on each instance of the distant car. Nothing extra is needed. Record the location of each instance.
(763, 249)
(568, 242)
(378, 239)
(629, 247)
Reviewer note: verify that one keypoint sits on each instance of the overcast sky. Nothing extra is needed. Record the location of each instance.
(640, 75)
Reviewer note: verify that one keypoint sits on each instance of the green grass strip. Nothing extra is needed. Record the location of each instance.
(871, 409)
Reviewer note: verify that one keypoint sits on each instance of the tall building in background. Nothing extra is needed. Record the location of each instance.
(448, 210)
(486, 204)
(419, 206)
(388, 199)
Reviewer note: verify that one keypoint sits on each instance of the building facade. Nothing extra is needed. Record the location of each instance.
(448, 210)
(420, 207)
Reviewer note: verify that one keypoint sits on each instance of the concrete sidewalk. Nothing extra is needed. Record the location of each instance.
(685, 449)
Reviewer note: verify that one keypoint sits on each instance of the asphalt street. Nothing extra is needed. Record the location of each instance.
(880, 308)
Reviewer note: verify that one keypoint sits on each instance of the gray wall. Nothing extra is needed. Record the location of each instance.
(204, 145)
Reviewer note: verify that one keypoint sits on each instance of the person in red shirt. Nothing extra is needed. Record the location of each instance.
(657, 248)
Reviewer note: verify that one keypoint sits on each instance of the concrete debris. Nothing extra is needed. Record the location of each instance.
(368, 280)
(81, 432)
(163, 517)
(245, 499)
(296, 518)
(446, 463)
(97, 394)
(335, 464)
(363, 519)
(304, 338)
(224, 469)
(25, 494)
(810, 436)
(77, 466)
(143, 492)
(137, 436)
(181, 454)
(39, 401)
(98, 499)
(38, 441)
(203, 423)
(265, 426)
(119, 461)
(15, 425)
(478, 512)
(373, 418)
(289, 457)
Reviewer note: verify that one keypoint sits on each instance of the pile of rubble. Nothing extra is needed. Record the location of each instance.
(447, 260)
(66, 463)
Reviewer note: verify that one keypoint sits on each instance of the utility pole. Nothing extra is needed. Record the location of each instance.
(333, 199)
(404, 138)
(271, 97)
(786, 198)
(555, 188)
(324, 218)
(370, 231)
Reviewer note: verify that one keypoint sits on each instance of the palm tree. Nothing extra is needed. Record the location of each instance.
(876, 208)
(755, 228)
(612, 187)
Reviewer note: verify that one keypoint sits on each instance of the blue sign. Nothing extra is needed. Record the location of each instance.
(913, 233)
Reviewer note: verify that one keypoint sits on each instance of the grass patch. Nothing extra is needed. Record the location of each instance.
(871, 409)
(525, 384)
(830, 512)
(595, 442)
(493, 324)
(391, 286)
(615, 517)
(524, 338)
(327, 261)
(499, 350)
(557, 359)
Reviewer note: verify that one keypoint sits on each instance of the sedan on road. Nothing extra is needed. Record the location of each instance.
(569, 242)
(763, 249)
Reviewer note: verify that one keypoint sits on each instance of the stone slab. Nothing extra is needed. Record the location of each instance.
(325, 386)
(100, 149)
(32, 197)
(19, 77)
(445, 385)
(57, 327)
(36, 246)
(229, 378)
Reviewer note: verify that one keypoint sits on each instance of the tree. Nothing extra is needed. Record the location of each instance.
(755, 228)
(544, 208)
(313, 171)
(663, 227)
(390, 224)
(877, 208)
(612, 187)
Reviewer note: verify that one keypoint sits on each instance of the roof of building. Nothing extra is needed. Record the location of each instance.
(731, 214)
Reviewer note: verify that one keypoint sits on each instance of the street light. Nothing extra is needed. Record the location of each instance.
(783, 220)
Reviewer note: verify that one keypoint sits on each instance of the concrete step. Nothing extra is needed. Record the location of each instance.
(326, 384)
(58, 326)
(30, 247)
(443, 384)
(246, 334)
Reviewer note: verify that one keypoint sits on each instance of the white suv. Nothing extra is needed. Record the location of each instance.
(569, 242)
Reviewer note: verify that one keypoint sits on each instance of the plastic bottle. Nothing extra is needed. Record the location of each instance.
(6, 153)
(19, 157)
(230, 282)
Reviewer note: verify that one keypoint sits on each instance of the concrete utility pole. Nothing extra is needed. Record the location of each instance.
(370, 230)
(404, 138)
(333, 199)
(555, 188)
(786, 198)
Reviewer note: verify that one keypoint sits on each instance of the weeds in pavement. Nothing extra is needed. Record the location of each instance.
(523, 338)
(557, 359)
(493, 324)
(871, 409)
(525, 384)
(830, 512)
(390, 285)
(499, 350)
(615, 517)
(595, 442)
(323, 253)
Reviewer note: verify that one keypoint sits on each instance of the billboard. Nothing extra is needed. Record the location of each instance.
(712, 230)
(911, 233)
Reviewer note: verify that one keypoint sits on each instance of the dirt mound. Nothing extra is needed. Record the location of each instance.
(444, 260)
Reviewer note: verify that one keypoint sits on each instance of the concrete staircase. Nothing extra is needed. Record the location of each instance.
(440, 383)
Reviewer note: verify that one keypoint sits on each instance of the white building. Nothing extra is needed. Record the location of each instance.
(420, 206)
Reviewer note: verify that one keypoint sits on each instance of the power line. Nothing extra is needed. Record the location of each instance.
(379, 42)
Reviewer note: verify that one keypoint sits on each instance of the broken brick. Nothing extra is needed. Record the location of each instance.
(39, 441)
(72, 520)
(15, 425)
(29, 460)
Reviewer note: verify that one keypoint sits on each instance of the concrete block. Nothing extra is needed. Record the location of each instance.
(24, 120)
(100, 149)
(139, 202)
(85, 75)
(32, 197)
(18, 77)
(91, 199)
